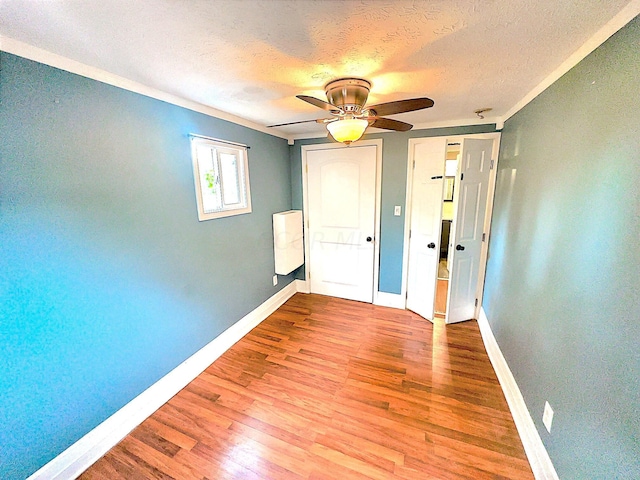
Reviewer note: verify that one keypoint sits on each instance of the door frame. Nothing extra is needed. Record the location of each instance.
(378, 200)
(495, 136)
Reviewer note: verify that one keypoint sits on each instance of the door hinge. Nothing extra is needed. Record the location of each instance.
(491, 167)
(476, 302)
(484, 236)
(461, 176)
(414, 164)
(306, 167)
(409, 234)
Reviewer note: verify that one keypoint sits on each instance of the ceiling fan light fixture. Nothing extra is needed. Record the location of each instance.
(348, 94)
(347, 130)
(347, 103)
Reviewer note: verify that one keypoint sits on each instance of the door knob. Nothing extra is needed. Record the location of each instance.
(431, 245)
(459, 247)
(369, 239)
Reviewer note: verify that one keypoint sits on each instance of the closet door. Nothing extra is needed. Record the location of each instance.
(426, 213)
(342, 216)
(470, 197)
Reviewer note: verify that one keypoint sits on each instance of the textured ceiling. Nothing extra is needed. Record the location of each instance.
(251, 57)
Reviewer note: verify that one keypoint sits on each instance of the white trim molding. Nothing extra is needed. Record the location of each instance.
(495, 136)
(628, 13)
(30, 52)
(378, 202)
(461, 122)
(86, 451)
(302, 286)
(539, 460)
(392, 300)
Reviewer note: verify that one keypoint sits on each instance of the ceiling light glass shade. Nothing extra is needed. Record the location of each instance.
(347, 130)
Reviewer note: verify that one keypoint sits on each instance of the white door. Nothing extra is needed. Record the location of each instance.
(426, 211)
(470, 203)
(341, 213)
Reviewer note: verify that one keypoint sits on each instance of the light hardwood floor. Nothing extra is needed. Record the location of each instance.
(333, 389)
(441, 296)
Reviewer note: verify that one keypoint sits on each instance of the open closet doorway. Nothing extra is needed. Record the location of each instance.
(447, 224)
(444, 262)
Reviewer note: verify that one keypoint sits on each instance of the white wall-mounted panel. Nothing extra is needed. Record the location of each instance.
(287, 241)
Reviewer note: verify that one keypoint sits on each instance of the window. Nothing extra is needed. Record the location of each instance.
(221, 173)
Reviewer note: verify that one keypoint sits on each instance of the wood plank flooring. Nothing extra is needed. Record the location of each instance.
(442, 287)
(327, 388)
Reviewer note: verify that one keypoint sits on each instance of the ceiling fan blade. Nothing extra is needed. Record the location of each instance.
(317, 120)
(389, 124)
(401, 106)
(319, 103)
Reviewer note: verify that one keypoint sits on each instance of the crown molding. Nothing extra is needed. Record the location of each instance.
(309, 136)
(30, 52)
(419, 126)
(462, 122)
(627, 14)
(22, 49)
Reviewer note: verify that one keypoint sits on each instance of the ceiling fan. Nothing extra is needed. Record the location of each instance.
(349, 115)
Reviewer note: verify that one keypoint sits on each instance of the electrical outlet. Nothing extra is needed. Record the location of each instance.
(547, 416)
(275, 280)
(397, 210)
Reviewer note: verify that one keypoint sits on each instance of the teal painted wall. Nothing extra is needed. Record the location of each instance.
(561, 291)
(395, 151)
(107, 279)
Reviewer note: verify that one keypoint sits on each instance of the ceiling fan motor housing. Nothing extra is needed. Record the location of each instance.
(349, 94)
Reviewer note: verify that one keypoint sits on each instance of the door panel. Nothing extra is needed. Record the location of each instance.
(471, 207)
(341, 195)
(340, 210)
(426, 215)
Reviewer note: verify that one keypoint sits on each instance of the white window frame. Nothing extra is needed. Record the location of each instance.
(215, 149)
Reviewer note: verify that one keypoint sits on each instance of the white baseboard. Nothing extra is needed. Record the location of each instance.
(392, 300)
(383, 299)
(86, 451)
(302, 286)
(541, 464)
